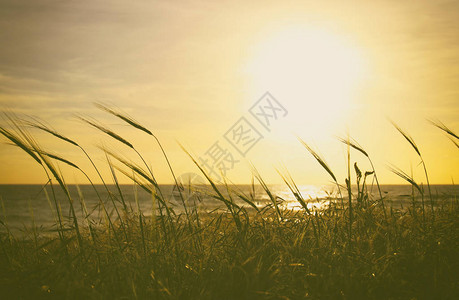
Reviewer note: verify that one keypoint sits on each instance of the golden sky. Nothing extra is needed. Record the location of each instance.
(189, 70)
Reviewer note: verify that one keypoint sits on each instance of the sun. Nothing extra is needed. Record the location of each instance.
(315, 71)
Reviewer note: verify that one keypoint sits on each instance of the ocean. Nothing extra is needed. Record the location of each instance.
(23, 206)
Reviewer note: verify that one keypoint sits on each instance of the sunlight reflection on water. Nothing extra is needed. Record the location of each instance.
(18, 200)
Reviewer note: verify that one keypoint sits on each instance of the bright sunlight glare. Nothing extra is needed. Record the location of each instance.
(314, 70)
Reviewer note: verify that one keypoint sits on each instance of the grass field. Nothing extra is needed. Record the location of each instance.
(356, 248)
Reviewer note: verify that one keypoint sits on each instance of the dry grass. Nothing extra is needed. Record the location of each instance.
(362, 250)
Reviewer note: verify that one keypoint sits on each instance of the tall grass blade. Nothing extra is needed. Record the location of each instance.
(407, 137)
(135, 124)
(124, 117)
(411, 141)
(40, 125)
(107, 131)
(324, 165)
(319, 159)
(16, 140)
(443, 127)
(405, 177)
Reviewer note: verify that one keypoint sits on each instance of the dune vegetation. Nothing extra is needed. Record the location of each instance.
(357, 247)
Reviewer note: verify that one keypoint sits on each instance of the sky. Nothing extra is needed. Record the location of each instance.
(192, 72)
